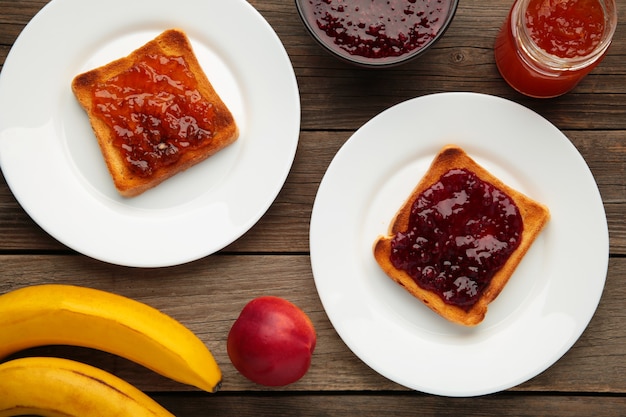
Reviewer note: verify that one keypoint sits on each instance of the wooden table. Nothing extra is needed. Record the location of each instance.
(273, 257)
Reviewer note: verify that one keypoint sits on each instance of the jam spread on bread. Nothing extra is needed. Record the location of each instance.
(156, 112)
(461, 231)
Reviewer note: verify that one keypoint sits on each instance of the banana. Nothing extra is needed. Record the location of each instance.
(55, 314)
(54, 387)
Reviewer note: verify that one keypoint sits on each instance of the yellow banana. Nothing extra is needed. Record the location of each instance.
(54, 387)
(54, 314)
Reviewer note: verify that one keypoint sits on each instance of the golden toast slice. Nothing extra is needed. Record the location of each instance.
(154, 113)
(461, 273)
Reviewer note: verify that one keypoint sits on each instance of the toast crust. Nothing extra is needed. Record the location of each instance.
(171, 43)
(534, 216)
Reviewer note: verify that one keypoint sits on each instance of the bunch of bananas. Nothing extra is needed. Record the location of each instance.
(69, 315)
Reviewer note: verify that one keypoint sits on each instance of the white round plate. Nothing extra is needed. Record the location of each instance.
(547, 303)
(51, 160)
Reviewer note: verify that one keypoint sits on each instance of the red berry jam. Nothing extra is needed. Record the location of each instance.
(461, 231)
(156, 111)
(378, 29)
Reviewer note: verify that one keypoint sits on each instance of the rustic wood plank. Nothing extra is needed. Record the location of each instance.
(207, 296)
(285, 226)
(375, 405)
(14, 16)
(333, 92)
(345, 97)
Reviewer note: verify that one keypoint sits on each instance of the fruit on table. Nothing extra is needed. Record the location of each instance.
(272, 341)
(54, 314)
(54, 387)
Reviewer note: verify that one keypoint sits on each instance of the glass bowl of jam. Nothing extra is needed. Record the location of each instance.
(376, 33)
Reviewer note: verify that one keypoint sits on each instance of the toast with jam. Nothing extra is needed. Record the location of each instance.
(154, 113)
(458, 238)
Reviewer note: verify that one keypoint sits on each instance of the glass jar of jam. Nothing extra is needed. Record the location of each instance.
(545, 47)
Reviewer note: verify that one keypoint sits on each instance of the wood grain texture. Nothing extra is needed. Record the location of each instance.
(284, 228)
(376, 405)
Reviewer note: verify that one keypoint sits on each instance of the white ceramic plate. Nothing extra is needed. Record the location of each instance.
(547, 303)
(51, 160)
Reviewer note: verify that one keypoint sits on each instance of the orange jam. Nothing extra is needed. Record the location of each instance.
(565, 28)
(156, 112)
